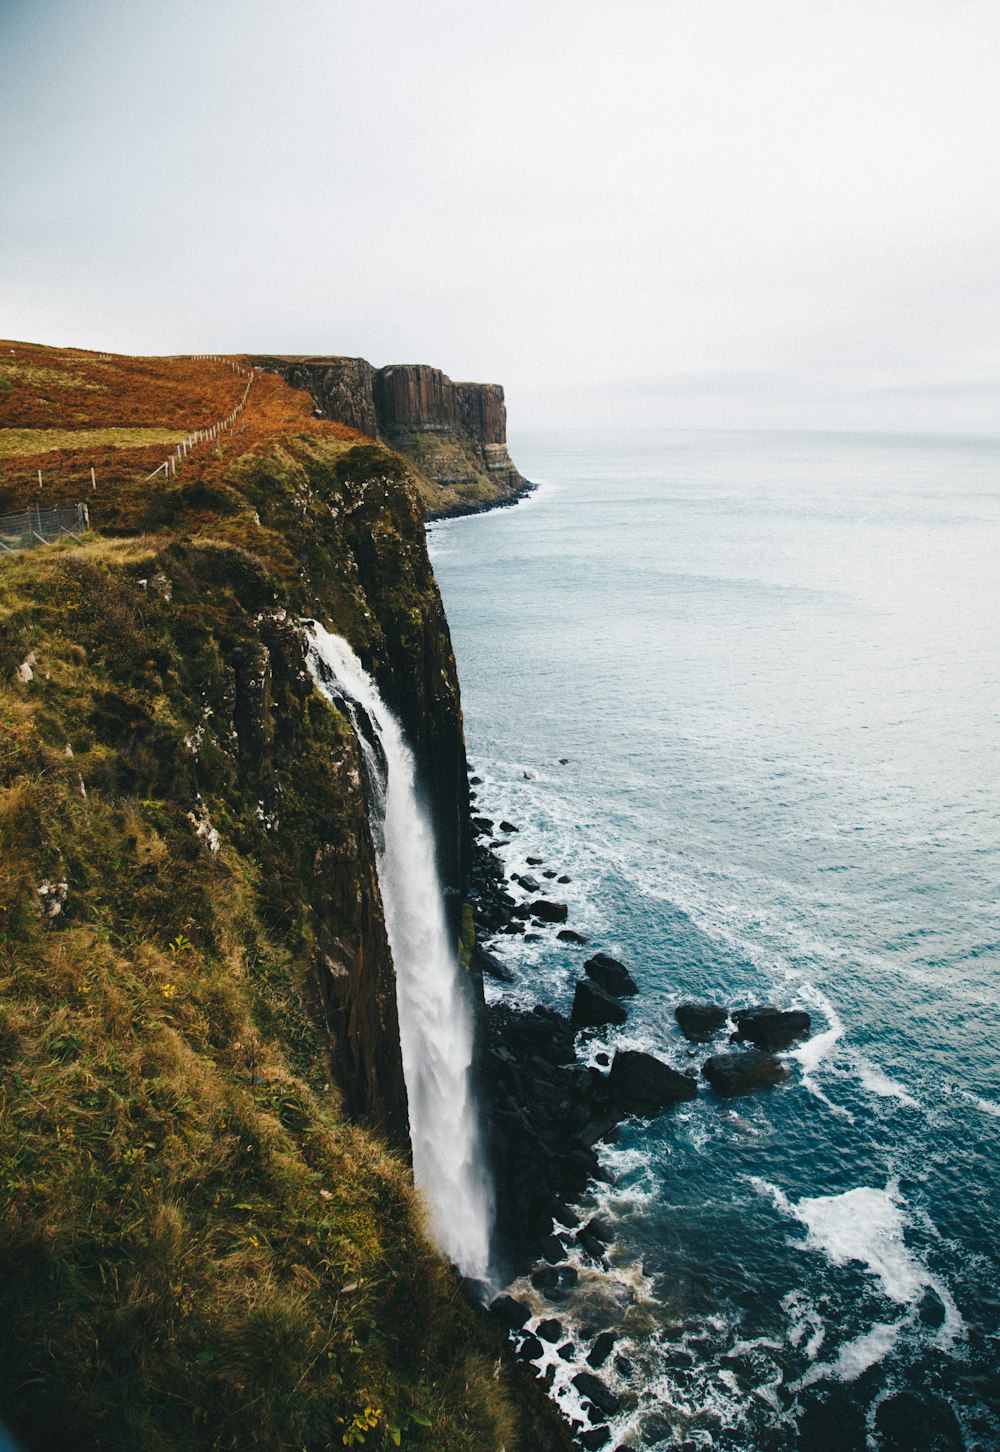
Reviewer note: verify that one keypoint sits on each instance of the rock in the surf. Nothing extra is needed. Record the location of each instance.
(770, 1028)
(610, 975)
(510, 1313)
(549, 912)
(593, 1007)
(700, 1021)
(570, 935)
(602, 1348)
(643, 1084)
(595, 1391)
(743, 1071)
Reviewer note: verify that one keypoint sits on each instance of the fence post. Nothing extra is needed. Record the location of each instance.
(93, 478)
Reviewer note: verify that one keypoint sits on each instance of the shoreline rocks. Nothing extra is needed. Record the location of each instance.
(744, 1071)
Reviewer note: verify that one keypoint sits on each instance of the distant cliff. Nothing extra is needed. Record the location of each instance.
(455, 434)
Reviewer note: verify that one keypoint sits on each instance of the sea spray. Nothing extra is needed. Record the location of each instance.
(435, 1022)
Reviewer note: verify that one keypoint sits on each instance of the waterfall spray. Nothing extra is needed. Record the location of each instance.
(435, 1023)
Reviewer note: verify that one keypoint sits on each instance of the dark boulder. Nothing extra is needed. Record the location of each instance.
(549, 872)
(594, 1238)
(510, 1313)
(570, 935)
(507, 827)
(567, 1351)
(552, 1249)
(643, 1084)
(594, 1438)
(534, 861)
(601, 1349)
(564, 878)
(529, 883)
(549, 912)
(595, 1391)
(475, 781)
(549, 1330)
(593, 1007)
(744, 1071)
(700, 1021)
(491, 965)
(554, 1279)
(610, 975)
(482, 824)
(530, 1349)
(769, 1027)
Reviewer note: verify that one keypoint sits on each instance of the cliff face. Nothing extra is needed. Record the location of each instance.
(454, 433)
(197, 1008)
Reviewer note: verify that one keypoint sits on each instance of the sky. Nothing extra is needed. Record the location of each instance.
(656, 213)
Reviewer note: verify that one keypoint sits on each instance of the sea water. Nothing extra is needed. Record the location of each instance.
(771, 663)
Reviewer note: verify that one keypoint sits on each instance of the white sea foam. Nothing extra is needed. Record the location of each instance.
(877, 1082)
(855, 1356)
(867, 1226)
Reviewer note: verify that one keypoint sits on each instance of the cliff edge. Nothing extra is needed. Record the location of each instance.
(453, 434)
(208, 1230)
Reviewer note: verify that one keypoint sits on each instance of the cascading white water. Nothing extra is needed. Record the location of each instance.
(435, 1023)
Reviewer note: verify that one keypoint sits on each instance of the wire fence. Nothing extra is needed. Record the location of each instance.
(37, 526)
(186, 446)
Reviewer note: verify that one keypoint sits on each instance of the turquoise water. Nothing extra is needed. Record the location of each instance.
(773, 665)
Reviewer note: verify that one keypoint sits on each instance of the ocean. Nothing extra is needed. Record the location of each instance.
(771, 666)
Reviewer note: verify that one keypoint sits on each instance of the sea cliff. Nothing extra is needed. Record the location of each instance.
(453, 434)
(209, 1232)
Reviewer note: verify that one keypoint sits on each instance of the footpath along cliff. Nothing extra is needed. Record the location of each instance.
(208, 1233)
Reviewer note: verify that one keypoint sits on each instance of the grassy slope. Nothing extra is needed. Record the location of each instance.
(196, 1251)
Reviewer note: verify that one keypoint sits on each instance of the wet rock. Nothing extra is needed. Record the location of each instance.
(530, 1349)
(534, 861)
(564, 761)
(700, 1021)
(595, 1391)
(491, 965)
(570, 935)
(553, 1249)
(770, 1028)
(549, 1330)
(643, 1084)
(529, 883)
(603, 1059)
(482, 824)
(594, 1438)
(549, 912)
(610, 975)
(510, 1313)
(594, 1238)
(593, 1007)
(932, 1309)
(549, 872)
(744, 1072)
(601, 1349)
(564, 878)
(623, 1366)
(507, 827)
(475, 781)
(554, 1279)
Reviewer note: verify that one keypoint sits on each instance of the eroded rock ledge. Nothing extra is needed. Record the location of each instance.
(454, 433)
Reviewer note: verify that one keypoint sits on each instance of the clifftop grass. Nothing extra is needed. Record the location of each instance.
(197, 1249)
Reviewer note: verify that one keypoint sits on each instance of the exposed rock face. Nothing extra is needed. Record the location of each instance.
(455, 433)
(343, 389)
(744, 1071)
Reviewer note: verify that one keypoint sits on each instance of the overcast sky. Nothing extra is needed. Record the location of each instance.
(666, 212)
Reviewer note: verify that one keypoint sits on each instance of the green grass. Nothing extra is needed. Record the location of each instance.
(15, 443)
(197, 1249)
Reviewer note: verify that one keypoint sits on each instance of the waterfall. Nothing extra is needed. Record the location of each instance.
(435, 1022)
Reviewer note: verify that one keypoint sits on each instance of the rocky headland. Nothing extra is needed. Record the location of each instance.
(453, 434)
